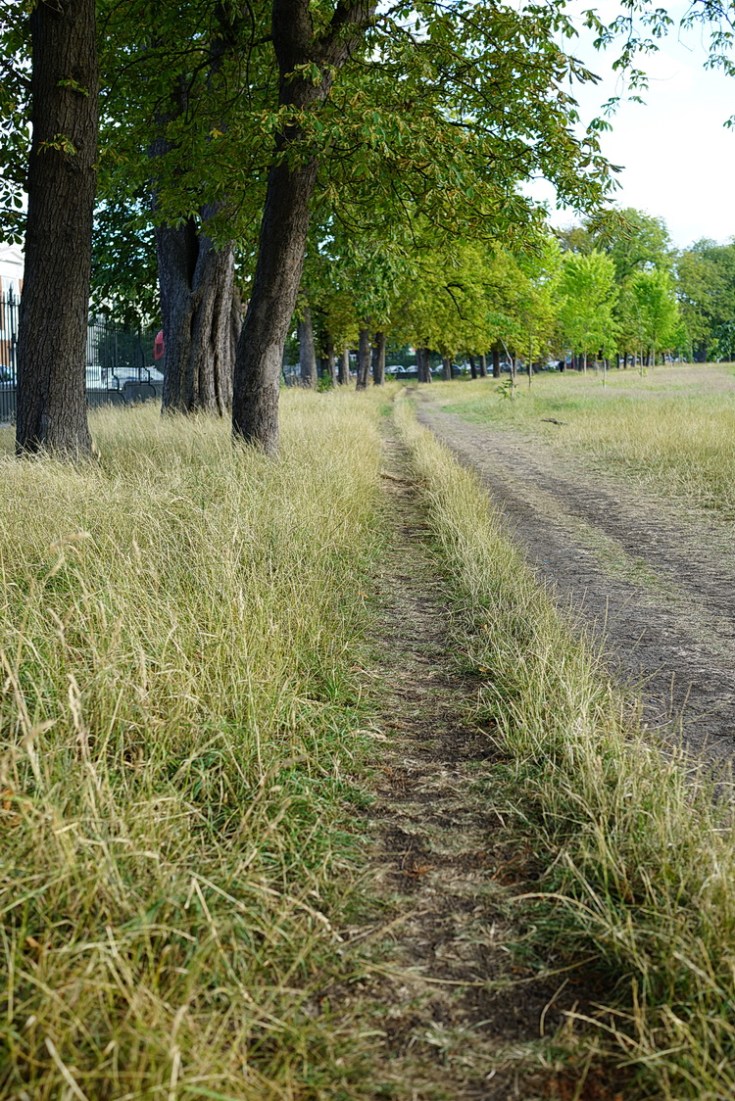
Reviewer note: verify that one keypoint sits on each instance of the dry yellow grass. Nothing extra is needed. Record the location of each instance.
(177, 634)
(639, 857)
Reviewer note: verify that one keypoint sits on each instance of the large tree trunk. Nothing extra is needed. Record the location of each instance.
(483, 366)
(201, 320)
(379, 360)
(307, 354)
(446, 369)
(52, 335)
(281, 250)
(363, 359)
(300, 48)
(496, 361)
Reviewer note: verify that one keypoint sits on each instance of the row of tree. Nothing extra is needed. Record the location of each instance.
(379, 149)
(613, 286)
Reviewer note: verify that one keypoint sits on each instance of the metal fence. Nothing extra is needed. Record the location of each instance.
(119, 361)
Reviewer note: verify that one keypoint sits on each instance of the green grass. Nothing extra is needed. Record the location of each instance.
(178, 758)
(638, 859)
(672, 430)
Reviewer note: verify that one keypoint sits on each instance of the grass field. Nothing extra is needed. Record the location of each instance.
(673, 429)
(181, 634)
(178, 637)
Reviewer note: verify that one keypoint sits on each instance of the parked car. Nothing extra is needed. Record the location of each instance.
(116, 378)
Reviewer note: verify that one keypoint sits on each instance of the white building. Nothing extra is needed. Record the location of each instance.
(11, 269)
(11, 284)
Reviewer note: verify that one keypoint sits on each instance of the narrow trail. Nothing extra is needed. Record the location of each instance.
(653, 583)
(462, 1017)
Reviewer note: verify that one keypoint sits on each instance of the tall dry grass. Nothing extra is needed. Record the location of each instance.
(178, 715)
(638, 858)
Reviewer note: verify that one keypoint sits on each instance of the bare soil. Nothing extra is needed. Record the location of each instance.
(464, 1012)
(650, 580)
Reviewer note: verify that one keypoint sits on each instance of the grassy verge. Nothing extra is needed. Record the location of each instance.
(639, 862)
(673, 430)
(179, 715)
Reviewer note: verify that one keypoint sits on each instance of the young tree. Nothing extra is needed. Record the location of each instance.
(52, 338)
(705, 277)
(587, 292)
(652, 313)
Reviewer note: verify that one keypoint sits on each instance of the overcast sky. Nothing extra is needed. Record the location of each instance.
(679, 158)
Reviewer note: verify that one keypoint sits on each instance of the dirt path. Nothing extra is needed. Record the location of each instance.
(654, 583)
(463, 1016)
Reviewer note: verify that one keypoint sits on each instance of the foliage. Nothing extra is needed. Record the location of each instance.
(15, 138)
(706, 289)
(588, 293)
(650, 311)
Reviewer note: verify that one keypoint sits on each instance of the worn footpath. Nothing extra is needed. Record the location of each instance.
(653, 582)
(464, 1013)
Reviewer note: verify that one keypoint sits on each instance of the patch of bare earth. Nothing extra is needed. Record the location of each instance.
(462, 1015)
(653, 582)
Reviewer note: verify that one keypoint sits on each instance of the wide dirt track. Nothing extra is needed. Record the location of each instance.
(651, 582)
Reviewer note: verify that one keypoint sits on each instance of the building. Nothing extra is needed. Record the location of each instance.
(11, 284)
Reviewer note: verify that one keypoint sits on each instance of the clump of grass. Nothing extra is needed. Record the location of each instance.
(639, 859)
(177, 639)
(673, 431)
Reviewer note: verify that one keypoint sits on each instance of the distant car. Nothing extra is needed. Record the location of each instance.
(136, 376)
(116, 378)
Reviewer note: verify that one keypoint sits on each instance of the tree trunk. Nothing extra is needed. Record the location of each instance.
(301, 48)
(496, 361)
(379, 360)
(363, 359)
(343, 371)
(281, 250)
(473, 367)
(52, 335)
(483, 366)
(446, 369)
(200, 306)
(307, 354)
(423, 364)
(331, 359)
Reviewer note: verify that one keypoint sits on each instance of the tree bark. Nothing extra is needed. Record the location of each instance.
(307, 354)
(483, 366)
(496, 361)
(331, 359)
(473, 367)
(281, 250)
(379, 360)
(343, 372)
(299, 48)
(423, 364)
(201, 319)
(363, 359)
(446, 369)
(52, 336)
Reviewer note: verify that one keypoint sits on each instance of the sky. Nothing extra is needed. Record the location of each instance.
(678, 157)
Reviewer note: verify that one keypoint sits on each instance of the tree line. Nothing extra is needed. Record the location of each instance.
(356, 166)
